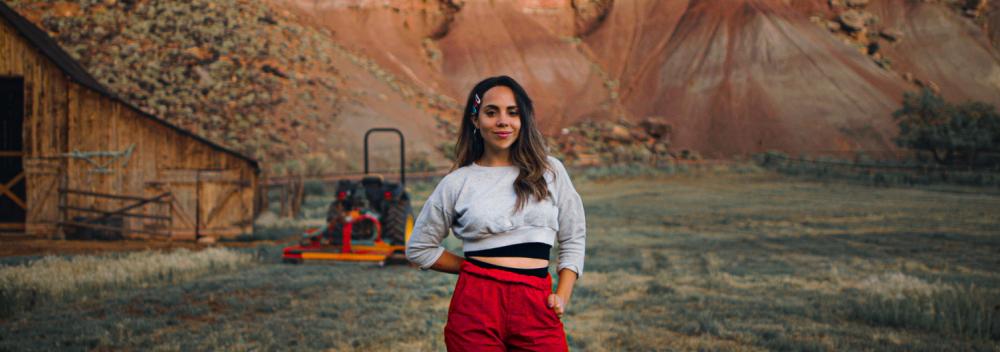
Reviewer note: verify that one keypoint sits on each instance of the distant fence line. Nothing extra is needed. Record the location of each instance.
(882, 174)
(325, 178)
(764, 158)
(929, 168)
(354, 176)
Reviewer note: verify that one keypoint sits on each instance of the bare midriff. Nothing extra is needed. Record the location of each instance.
(514, 262)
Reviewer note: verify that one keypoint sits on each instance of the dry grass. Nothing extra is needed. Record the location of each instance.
(900, 300)
(54, 279)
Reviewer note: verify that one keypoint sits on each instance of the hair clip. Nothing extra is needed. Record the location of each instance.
(475, 104)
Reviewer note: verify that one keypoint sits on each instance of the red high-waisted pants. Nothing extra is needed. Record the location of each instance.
(497, 310)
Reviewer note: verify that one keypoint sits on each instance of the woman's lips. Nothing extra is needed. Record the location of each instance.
(503, 135)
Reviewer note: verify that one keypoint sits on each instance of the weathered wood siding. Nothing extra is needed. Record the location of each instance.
(62, 116)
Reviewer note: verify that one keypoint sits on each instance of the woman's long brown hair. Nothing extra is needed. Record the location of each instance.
(528, 152)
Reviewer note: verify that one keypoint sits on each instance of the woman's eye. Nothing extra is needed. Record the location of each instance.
(513, 113)
(490, 113)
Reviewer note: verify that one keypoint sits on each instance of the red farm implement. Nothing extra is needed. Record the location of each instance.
(369, 221)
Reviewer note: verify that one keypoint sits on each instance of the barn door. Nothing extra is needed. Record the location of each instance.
(43, 178)
(226, 205)
(13, 200)
(184, 201)
(207, 203)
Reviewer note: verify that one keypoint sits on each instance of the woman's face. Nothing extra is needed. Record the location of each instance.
(499, 120)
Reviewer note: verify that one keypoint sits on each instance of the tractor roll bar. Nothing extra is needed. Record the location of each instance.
(402, 151)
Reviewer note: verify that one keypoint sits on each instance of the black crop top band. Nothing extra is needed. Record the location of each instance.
(539, 272)
(535, 250)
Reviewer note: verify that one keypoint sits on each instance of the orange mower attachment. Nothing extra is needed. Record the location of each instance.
(317, 249)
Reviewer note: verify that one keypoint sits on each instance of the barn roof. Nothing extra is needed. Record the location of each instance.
(48, 47)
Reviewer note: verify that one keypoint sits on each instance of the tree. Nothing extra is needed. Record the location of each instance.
(951, 133)
(970, 131)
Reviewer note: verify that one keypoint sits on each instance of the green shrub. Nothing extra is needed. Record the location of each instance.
(952, 133)
(419, 163)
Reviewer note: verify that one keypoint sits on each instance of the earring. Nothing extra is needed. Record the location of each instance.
(475, 131)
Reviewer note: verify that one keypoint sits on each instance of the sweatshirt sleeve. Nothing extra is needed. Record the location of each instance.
(572, 234)
(431, 227)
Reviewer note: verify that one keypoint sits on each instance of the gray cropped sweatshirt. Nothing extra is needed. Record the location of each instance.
(477, 203)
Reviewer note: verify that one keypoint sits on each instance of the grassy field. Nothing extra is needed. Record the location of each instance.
(703, 261)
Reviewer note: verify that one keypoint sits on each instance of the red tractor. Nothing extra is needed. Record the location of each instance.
(369, 221)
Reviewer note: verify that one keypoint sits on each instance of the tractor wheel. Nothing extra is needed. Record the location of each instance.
(394, 225)
(335, 234)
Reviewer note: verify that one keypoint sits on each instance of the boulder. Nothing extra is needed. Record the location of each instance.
(656, 127)
(973, 8)
(690, 155)
(930, 85)
(873, 50)
(649, 142)
(588, 14)
(857, 3)
(620, 133)
(833, 26)
(854, 20)
(638, 134)
(891, 34)
(640, 154)
(661, 149)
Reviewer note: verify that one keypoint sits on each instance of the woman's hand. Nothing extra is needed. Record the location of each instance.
(557, 301)
(557, 304)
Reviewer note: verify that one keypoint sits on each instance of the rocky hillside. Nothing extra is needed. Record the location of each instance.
(730, 77)
(296, 82)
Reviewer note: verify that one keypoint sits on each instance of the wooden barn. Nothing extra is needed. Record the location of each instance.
(76, 160)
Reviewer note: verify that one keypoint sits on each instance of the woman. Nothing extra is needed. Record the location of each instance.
(508, 201)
